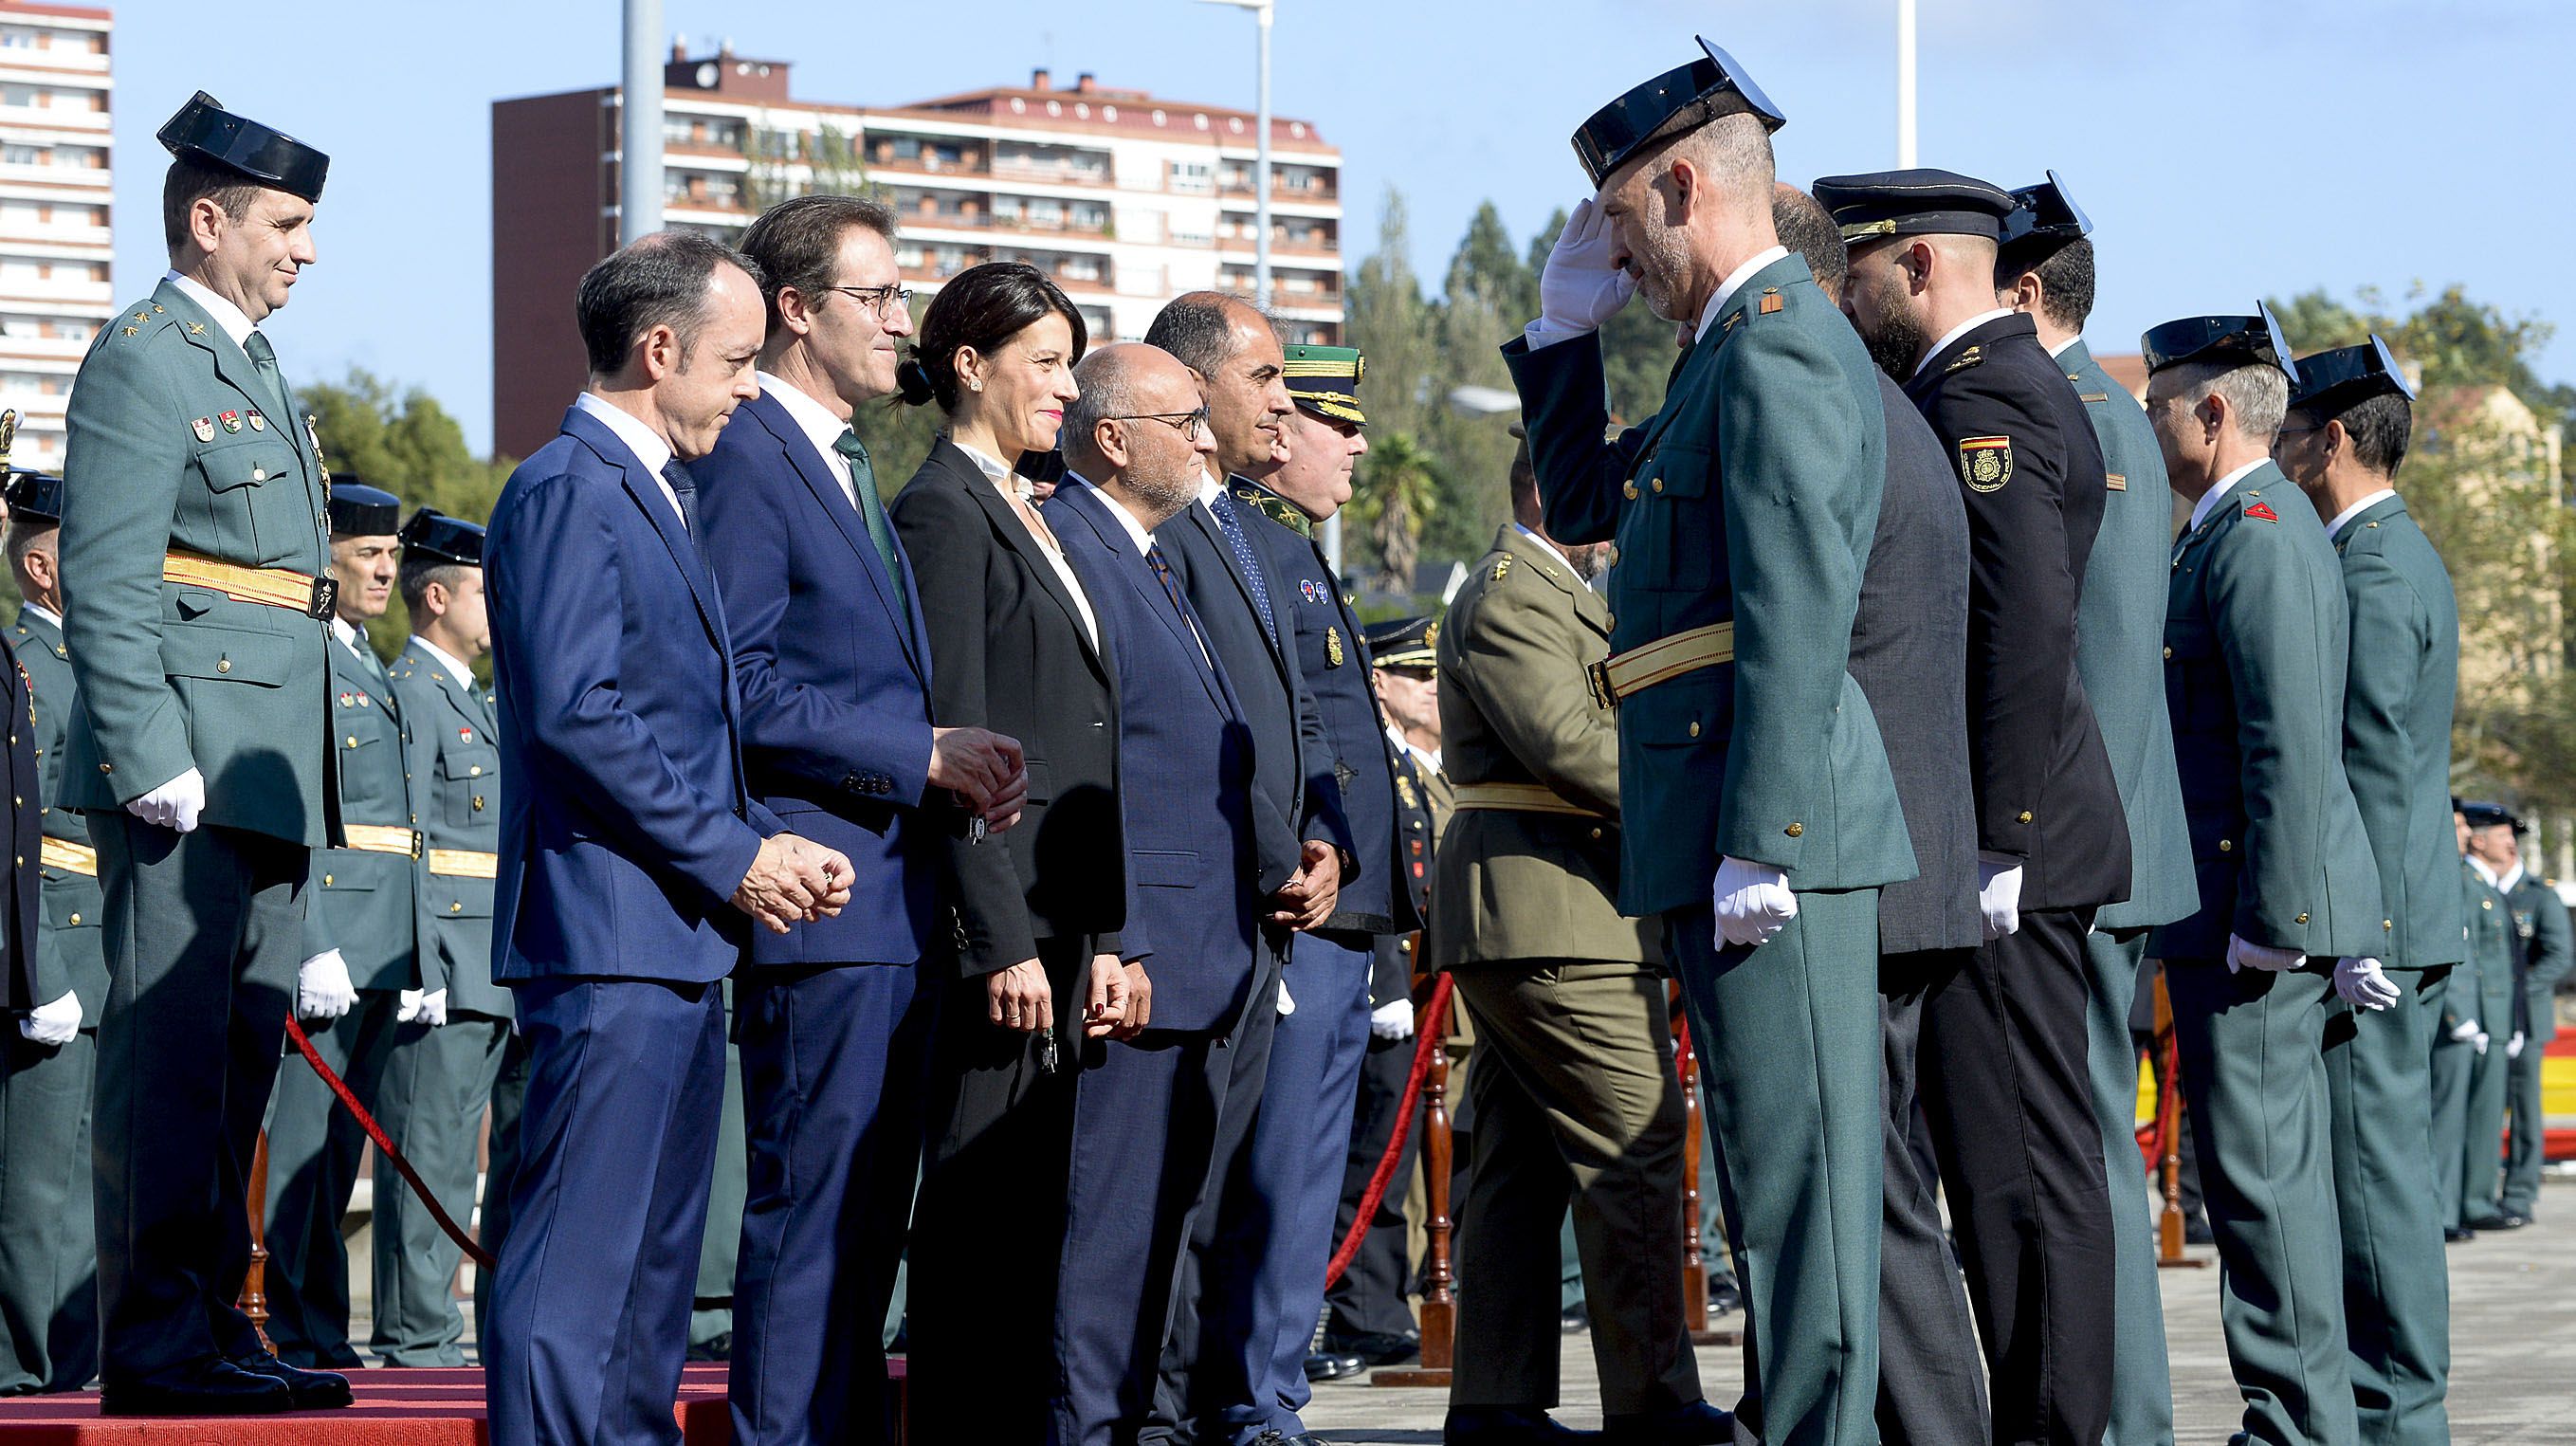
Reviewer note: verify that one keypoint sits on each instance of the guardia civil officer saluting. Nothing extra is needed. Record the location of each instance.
(2256, 642)
(2348, 425)
(1759, 815)
(195, 543)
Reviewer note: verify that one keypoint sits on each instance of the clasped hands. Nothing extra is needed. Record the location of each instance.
(793, 881)
(1121, 1003)
(987, 771)
(1307, 899)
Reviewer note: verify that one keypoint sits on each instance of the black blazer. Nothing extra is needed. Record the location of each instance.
(1008, 652)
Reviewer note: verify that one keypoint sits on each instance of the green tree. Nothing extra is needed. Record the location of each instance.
(1398, 332)
(406, 443)
(1403, 495)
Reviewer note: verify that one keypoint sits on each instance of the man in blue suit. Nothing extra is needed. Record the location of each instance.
(631, 849)
(833, 669)
(1148, 1104)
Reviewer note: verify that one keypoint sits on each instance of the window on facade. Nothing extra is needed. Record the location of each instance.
(18, 155)
(1190, 176)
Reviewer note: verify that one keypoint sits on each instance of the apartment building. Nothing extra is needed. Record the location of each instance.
(54, 208)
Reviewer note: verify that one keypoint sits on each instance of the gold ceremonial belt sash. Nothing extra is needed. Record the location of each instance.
(1664, 659)
(1518, 798)
(376, 838)
(277, 587)
(464, 864)
(71, 858)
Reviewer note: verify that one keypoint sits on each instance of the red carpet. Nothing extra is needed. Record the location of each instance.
(395, 1408)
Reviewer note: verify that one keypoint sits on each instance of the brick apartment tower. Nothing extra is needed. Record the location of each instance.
(54, 205)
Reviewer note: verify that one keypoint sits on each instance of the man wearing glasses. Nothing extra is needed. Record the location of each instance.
(832, 662)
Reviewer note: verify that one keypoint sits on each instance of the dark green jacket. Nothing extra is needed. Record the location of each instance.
(2541, 926)
(456, 776)
(2398, 690)
(175, 442)
(367, 903)
(1750, 499)
(2255, 643)
(2475, 991)
(2118, 641)
(70, 951)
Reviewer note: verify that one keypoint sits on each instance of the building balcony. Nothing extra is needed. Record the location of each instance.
(883, 162)
(1057, 173)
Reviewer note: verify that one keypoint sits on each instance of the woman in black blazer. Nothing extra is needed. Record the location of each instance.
(1015, 648)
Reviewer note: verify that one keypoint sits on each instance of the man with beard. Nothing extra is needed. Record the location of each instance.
(2004, 1034)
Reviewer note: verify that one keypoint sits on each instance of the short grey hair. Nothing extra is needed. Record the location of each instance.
(1106, 393)
(2257, 393)
(1735, 152)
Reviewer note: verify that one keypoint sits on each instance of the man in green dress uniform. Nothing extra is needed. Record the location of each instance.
(363, 980)
(1759, 816)
(438, 1079)
(2460, 1034)
(48, 1247)
(2256, 643)
(194, 544)
(2493, 855)
(2540, 921)
(2347, 431)
(2045, 270)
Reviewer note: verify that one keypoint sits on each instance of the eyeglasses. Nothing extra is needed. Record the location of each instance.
(876, 298)
(1185, 423)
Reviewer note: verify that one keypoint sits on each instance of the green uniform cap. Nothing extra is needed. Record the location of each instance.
(1325, 380)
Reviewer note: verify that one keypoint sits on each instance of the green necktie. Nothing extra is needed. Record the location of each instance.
(263, 357)
(863, 488)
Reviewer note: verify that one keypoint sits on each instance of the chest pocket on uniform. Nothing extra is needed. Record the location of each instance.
(1671, 525)
(468, 783)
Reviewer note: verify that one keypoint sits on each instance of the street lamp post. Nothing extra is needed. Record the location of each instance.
(639, 163)
(1905, 84)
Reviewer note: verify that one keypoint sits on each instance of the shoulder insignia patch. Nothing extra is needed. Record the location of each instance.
(204, 428)
(1771, 301)
(2091, 396)
(1404, 791)
(2263, 512)
(1274, 507)
(1985, 463)
(2115, 481)
(1502, 565)
(1973, 356)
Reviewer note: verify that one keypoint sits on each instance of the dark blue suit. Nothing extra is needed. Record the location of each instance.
(1146, 1111)
(625, 828)
(832, 662)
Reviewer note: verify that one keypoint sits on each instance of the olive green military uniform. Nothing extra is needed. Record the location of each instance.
(2255, 639)
(2490, 951)
(1750, 502)
(179, 440)
(48, 1242)
(366, 903)
(2490, 1071)
(2540, 918)
(2398, 692)
(1575, 1096)
(438, 1080)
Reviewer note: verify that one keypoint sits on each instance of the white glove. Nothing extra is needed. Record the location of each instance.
(2242, 955)
(1286, 1004)
(2513, 1046)
(1393, 1020)
(2364, 984)
(53, 1024)
(1999, 893)
(174, 805)
(322, 987)
(1579, 289)
(419, 1008)
(2466, 1032)
(2481, 1043)
(1753, 902)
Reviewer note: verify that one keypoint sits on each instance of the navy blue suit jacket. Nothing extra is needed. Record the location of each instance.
(625, 821)
(834, 678)
(1188, 780)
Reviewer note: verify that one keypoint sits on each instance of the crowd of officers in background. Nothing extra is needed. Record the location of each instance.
(1902, 732)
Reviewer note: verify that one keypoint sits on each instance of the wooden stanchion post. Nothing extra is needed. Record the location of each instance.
(2169, 1225)
(254, 1291)
(1439, 1302)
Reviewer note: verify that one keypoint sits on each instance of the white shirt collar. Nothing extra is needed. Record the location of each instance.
(455, 666)
(42, 611)
(812, 418)
(349, 635)
(2341, 519)
(1734, 283)
(2060, 348)
(1549, 548)
(2512, 876)
(1136, 531)
(2484, 872)
(2217, 493)
(647, 446)
(1422, 758)
(235, 323)
(1954, 333)
(999, 471)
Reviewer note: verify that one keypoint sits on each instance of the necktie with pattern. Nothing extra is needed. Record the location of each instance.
(1254, 576)
(684, 491)
(1172, 589)
(863, 489)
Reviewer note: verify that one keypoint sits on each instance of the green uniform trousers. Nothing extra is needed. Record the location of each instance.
(314, 1146)
(502, 1158)
(711, 1321)
(2452, 1067)
(2524, 1122)
(2482, 1149)
(2141, 1378)
(2396, 1286)
(1576, 1100)
(2254, 1089)
(1788, 1041)
(48, 1241)
(435, 1087)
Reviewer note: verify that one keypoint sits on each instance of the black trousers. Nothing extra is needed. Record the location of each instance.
(1931, 1387)
(999, 1135)
(2007, 1088)
(1369, 1298)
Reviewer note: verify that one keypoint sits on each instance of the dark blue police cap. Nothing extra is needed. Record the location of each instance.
(358, 510)
(2487, 815)
(207, 131)
(2045, 213)
(1919, 202)
(2238, 339)
(2331, 381)
(435, 535)
(35, 496)
(1683, 98)
(1404, 643)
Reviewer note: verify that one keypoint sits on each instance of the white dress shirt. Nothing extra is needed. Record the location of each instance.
(819, 426)
(1010, 481)
(454, 665)
(648, 446)
(2344, 518)
(2060, 348)
(1549, 548)
(1733, 283)
(1954, 333)
(42, 611)
(228, 317)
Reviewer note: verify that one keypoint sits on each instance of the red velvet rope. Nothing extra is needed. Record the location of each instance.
(376, 1132)
(1426, 1035)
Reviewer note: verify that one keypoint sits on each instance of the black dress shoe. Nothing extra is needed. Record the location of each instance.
(720, 1348)
(2498, 1221)
(1508, 1426)
(1327, 1366)
(211, 1387)
(2457, 1234)
(1575, 1321)
(312, 1390)
(1697, 1424)
(1724, 1298)
(1376, 1348)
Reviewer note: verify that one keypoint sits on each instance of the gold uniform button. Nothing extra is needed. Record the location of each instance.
(326, 881)
(353, 740)
(478, 803)
(1659, 484)
(2486, 903)
(2169, 654)
(259, 474)
(1629, 491)
(107, 768)
(1596, 833)
(2025, 815)
(2303, 918)
(2388, 923)
(456, 906)
(223, 665)
(1796, 830)
(475, 772)
(2226, 847)
(1694, 728)
(75, 921)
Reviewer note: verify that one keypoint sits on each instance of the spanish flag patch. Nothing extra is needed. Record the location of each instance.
(1985, 463)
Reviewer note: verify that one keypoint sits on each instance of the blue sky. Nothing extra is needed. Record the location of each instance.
(2225, 148)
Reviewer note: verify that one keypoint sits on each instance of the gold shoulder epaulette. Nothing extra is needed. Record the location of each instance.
(1502, 566)
(1276, 508)
(1973, 356)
